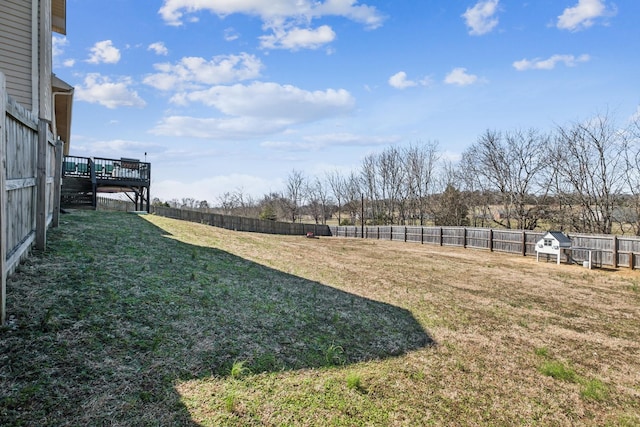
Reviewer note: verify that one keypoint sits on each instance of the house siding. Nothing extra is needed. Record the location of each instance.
(16, 50)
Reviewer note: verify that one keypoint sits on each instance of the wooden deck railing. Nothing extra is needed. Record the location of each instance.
(103, 169)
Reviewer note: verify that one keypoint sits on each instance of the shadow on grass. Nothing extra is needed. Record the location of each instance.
(116, 312)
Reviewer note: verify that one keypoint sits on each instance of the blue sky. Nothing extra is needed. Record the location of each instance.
(227, 95)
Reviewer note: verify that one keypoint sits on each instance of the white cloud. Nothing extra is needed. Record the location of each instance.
(272, 101)
(549, 63)
(159, 48)
(255, 110)
(111, 94)
(318, 142)
(481, 18)
(298, 38)
(582, 15)
(230, 34)
(193, 72)
(399, 81)
(57, 50)
(211, 188)
(104, 53)
(117, 148)
(460, 77)
(57, 46)
(173, 11)
(282, 17)
(236, 128)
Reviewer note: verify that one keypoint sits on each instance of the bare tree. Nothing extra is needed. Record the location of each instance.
(318, 200)
(514, 166)
(189, 202)
(337, 184)
(591, 172)
(420, 163)
(370, 187)
(630, 215)
(392, 176)
(353, 196)
(226, 202)
(294, 194)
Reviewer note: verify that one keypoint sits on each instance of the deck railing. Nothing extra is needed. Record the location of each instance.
(104, 169)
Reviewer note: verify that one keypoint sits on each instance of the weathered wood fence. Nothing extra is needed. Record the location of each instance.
(30, 171)
(107, 204)
(239, 223)
(617, 251)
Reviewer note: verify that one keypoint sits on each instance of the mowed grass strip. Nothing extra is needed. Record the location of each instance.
(144, 320)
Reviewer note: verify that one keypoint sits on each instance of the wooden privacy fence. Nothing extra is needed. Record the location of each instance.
(30, 173)
(107, 204)
(239, 223)
(616, 250)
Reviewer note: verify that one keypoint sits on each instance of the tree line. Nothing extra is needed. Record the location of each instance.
(579, 177)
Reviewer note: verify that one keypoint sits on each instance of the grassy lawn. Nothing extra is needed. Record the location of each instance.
(143, 320)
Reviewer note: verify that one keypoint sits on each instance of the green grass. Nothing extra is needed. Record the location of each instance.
(129, 320)
(594, 390)
(354, 381)
(559, 371)
(238, 369)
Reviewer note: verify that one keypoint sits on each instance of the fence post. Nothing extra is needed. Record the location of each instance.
(3, 211)
(441, 237)
(421, 235)
(491, 240)
(405, 234)
(615, 252)
(631, 260)
(391, 232)
(41, 187)
(524, 243)
(464, 237)
(57, 183)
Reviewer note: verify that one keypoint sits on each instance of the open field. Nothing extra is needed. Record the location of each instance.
(145, 320)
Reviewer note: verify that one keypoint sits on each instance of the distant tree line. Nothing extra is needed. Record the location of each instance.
(581, 177)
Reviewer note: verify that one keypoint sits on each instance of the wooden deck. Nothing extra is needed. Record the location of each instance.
(84, 177)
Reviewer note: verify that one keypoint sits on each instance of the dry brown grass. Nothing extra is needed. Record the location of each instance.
(488, 314)
(515, 342)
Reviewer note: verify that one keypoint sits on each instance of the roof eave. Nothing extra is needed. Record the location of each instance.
(59, 16)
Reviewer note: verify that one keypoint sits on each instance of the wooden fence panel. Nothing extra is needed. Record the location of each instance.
(238, 223)
(25, 212)
(432, 235)
(21, 149)
(414, 234)
(108, 204)
(520, 242)
(603, 243)
(453, 236)
(509, 241)
(478, 238)
(629, 252)
(531, 239)
(616, 250)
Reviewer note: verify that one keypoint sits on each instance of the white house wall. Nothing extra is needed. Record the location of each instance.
(17, 50)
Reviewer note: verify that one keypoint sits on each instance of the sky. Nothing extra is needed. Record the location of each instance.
(233, 95)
